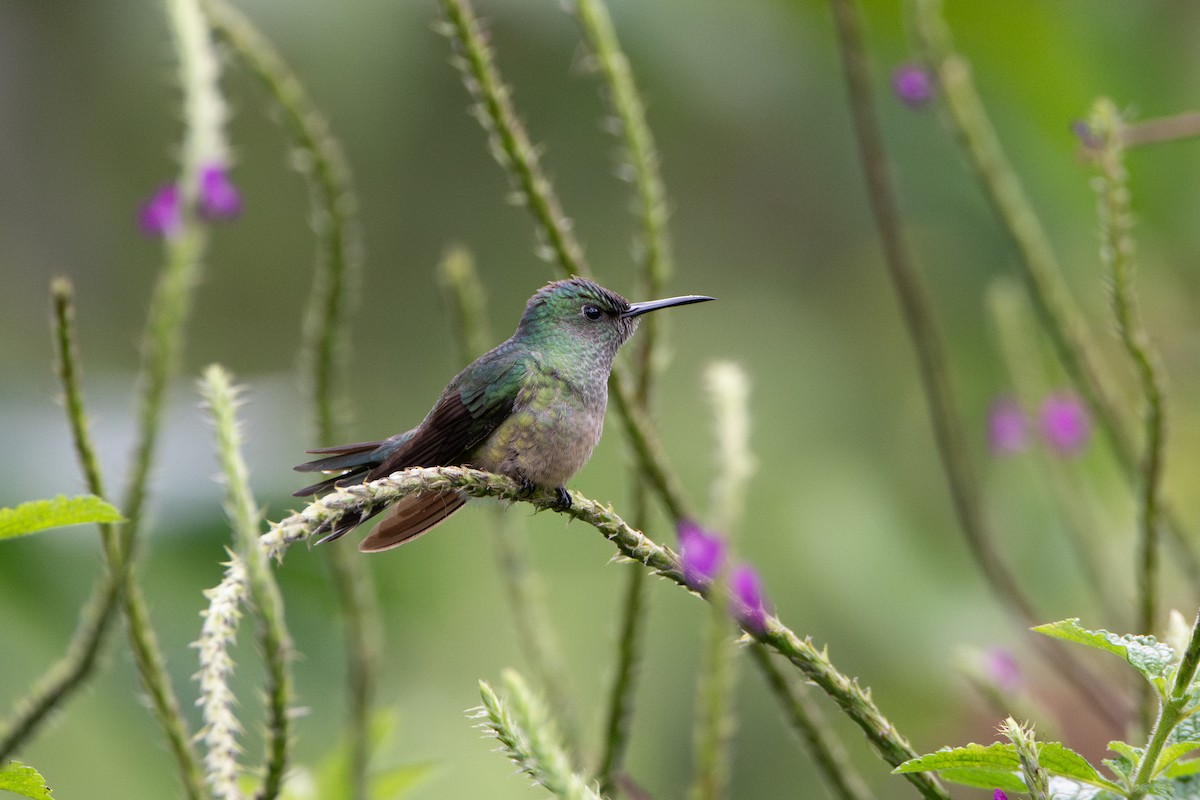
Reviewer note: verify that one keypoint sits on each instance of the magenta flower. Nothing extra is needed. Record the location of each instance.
(1001, 668)
(999, 794)
(749, 606)
(161, 214)
(701, 554)
(1008, 429)
(1065, 424)
(913, 85)
(218, 198)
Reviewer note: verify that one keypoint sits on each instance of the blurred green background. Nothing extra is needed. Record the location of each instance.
(848, 522)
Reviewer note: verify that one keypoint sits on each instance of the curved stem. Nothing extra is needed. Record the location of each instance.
(814, 663)
(922, 327)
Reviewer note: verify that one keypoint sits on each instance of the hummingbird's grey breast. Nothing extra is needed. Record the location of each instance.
(555, 423)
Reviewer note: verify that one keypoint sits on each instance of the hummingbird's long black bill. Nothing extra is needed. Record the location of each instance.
(637, 309)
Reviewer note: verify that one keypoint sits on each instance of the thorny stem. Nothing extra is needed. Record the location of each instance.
(203, 142)
(918, 315)
(465, 296)
(1174, 709)
(334, 286)
(653, 268)
(1038, 265)
(1116, 252)
(98, 615)
(633, 544)
(827, 753)
(221, 397)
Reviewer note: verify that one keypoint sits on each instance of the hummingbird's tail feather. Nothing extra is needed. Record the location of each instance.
(411, 517)
(357, 459)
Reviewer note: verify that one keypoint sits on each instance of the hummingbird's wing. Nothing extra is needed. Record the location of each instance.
(471, 408)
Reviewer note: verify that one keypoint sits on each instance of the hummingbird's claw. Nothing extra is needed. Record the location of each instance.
(562, 498)
(528, 487)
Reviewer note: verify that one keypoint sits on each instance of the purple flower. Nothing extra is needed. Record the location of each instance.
(1065, 423)
(1001, 668)
(913, 84)
(161, 214)
(999, 794)
(218, 198)
(748, 605)
(701, 553)
(1008, 429)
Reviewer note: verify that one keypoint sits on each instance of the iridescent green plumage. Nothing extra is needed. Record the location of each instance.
(531, 408)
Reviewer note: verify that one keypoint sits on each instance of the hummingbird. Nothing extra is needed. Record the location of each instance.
(531, 408)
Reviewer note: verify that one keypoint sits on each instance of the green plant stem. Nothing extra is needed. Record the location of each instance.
(334, 212)
(1018, 339)
(1038, 265)
(1117, 253)
(518, 157)
(464, 294)
(653, 268)
(510, 143)
(814, 663)
(528, 736)
(714, 723)
(99, 613)
(222, 399)
(630, 644)
(1174, 709)
(827, 752)
(943, 410)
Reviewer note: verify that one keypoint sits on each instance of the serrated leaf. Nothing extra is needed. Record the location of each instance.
(1173, 752)
(38, 515)
(1146, 654)
(1060, 760)
(975, 764)
(17, 778)
(999, 757)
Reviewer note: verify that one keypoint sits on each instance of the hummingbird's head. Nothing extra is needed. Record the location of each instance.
(580, 311)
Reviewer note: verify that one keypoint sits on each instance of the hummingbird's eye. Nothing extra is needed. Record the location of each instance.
(592, 312)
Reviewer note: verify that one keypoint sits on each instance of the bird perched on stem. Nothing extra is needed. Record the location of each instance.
(531, 408)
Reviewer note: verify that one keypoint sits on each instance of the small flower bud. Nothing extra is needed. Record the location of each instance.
(913, 85)
(1065, 424)
(701, 553)
(160, 215)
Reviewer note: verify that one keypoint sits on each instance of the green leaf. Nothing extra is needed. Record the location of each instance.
(976, 764)
(1181, 769)
(998, 757)
(1174, 752)
(37, 515)
(1146, 654)
(1060, 760)
(17, 778)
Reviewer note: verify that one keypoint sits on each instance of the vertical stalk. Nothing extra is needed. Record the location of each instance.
(465, 295)
(932, 362)
(1039, 268)
(1116, 252)
(99, 613)
(335, 282)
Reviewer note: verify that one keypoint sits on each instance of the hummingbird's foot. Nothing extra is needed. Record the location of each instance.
(528, 487)
(562, 498)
